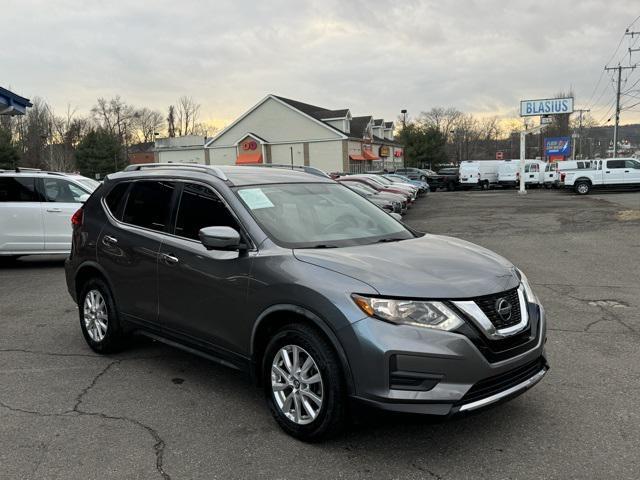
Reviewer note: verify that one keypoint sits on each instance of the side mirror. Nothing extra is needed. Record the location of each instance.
(397, 216)
(220, 238)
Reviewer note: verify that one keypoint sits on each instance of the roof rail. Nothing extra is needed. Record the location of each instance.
(26, 169)
(305, 168)
(210, 169)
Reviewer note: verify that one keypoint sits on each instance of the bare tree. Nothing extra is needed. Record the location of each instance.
(171, 121)
(147, 123)
(65, 133)
(187, 115)
(443, 119)
(115, 116)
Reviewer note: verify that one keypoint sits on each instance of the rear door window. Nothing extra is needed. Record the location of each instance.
(201, 207)
(615, 163)
(18, 189)
(149, 204)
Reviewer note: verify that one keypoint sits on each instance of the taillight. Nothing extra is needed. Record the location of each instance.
(76, 218)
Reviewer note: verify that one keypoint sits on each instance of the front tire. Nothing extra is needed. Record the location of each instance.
(583, 188)
(99, 318)
(303, 383)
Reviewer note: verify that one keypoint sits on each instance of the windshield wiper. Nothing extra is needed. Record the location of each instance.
(322, 245)
(385, 240)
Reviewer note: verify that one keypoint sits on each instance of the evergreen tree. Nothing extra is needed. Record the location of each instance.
(8, 153)
(99, 152)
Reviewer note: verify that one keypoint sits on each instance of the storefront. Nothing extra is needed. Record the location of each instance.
(283, 131)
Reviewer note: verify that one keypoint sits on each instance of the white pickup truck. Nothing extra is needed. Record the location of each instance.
(609, 173)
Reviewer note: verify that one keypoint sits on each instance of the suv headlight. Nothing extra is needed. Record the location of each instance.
(527, 288)
(410, 312)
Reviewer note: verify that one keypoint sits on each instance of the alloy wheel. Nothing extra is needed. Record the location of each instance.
(296, 384)
(95, 316)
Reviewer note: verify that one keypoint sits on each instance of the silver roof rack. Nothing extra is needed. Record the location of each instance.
(304, 168)
(210, 169)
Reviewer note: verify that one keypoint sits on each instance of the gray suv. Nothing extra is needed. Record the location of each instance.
(297, 280)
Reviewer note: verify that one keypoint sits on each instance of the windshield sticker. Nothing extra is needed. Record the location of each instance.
(255, 198)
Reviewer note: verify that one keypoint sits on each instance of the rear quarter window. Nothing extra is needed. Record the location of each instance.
(18, 189)
(115, 199)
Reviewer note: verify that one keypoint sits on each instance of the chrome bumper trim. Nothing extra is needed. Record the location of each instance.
(509, 391)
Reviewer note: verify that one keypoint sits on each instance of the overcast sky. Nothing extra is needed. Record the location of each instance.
(374, 57)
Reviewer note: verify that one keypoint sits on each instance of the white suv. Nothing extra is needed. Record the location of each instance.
(35, 210)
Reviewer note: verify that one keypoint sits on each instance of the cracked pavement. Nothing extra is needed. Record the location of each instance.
(156, 412)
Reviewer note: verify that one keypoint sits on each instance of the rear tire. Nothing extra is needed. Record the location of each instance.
(99, 319)
(308, 410)
(582, 188)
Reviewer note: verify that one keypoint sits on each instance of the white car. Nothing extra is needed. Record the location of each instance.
(36, 208)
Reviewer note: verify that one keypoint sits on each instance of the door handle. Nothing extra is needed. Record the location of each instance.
(54, 210)
(626, 171)
(107, 239)
(169, 259)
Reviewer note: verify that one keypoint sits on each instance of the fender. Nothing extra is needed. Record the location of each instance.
(318, 322)
(96, 266)
(582, 179)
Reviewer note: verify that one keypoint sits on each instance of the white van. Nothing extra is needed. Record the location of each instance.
(482, 173)
(36, 209)
(508, 175)
(534, 172)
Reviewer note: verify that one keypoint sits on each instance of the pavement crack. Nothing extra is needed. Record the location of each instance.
(50, 354)
(88, 388)
(76, 411)
(431, 473)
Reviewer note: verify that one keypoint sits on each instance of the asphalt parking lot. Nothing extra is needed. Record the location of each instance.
(155, 412)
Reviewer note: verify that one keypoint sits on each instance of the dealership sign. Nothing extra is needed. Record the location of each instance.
(557, 146)
(547, 106)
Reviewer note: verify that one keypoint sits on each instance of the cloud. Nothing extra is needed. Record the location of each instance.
(371, 56)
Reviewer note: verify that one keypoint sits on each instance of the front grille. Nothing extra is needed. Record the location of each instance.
(499, 383)
(488, 306)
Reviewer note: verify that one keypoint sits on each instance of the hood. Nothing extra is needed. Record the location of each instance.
(395, 197)
(431, 266)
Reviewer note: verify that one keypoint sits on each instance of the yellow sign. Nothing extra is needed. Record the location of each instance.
(384, 151)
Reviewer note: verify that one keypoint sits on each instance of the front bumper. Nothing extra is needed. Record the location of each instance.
(451, 374)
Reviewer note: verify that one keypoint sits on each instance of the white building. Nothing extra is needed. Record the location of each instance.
(281, 130)
(185, 149)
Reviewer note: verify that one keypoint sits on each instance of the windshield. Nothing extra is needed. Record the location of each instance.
(87, 182)
(319, 215)
(357, 188)
(380, 179)
(363, 187)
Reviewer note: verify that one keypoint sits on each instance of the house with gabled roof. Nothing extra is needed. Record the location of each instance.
(281, 130)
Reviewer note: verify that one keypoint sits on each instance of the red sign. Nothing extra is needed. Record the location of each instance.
(249, 145)
(397, 153)
(499, 155)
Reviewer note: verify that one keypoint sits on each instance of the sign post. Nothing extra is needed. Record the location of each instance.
(542, 108)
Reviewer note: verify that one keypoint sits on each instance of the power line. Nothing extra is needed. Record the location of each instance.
(617, 115)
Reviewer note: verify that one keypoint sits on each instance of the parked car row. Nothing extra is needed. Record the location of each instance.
(392, 192)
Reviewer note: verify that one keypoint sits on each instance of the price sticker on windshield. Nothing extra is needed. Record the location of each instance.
(255, 198)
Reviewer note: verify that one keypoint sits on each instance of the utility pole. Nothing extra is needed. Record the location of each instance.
(580, 111)
(404, 118)
(615, 127)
